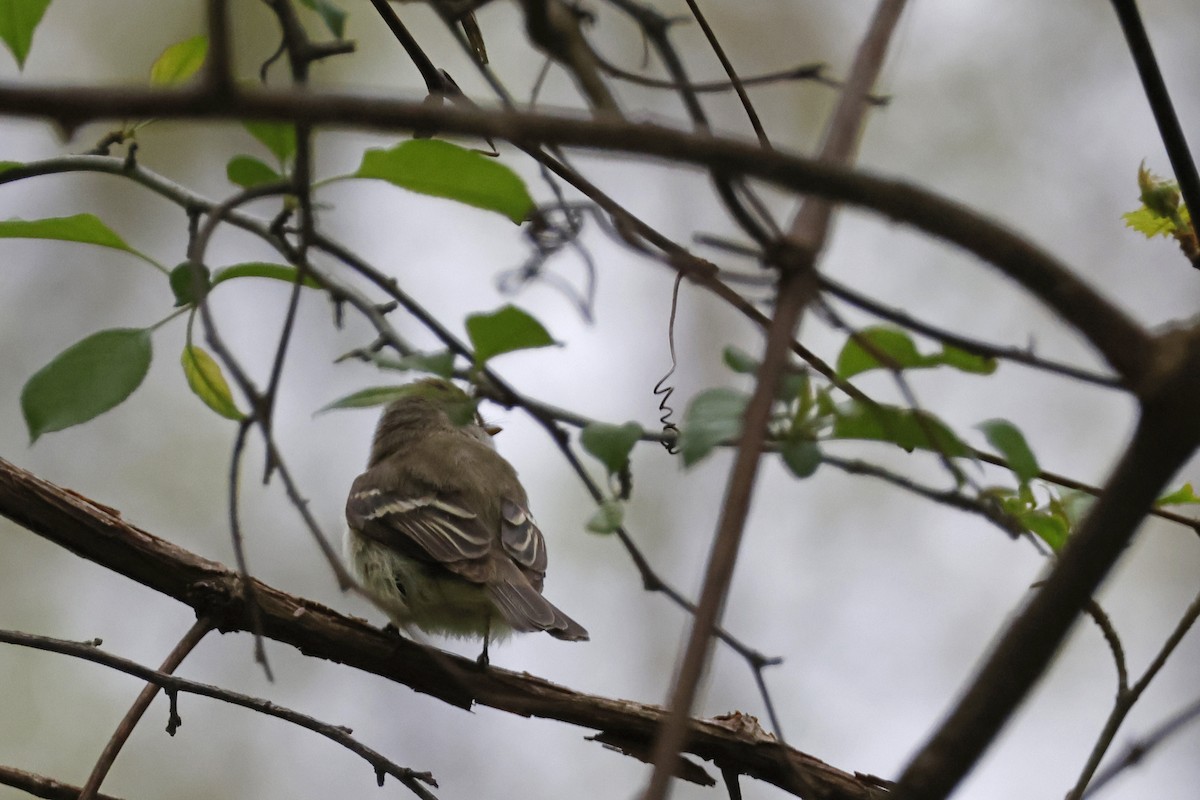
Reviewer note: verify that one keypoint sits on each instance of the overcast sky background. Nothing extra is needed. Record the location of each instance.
(880, 603)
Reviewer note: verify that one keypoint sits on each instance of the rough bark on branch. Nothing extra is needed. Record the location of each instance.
(99, 534)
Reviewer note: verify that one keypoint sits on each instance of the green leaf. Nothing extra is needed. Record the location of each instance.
(608, 517)
(901, 426)
(1008, 439)
(503, 331)
(85, 380)
(1147, 223)
(612, 444)
(84, 228)
(18, 20)
(333, 17)
(739, 360)
(5, 166)
(440, 363)
(1050, 528)
(442, 169)
(458, 405)
(263, 269)
(713, 416)
(183, 283)
(900, 352)
(892, 342)
(802, 457)
(1162, 212)
(247, 171)
(366, 398)
(1184, 495)
(207, 382)
(964, 361)
(278, 137)
(179, 62)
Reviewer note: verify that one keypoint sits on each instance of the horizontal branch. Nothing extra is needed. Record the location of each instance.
(98, 534)
(1122, 342)
(89, 651)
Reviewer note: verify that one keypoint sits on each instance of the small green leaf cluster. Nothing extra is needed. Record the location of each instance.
(1163, 213)
(806, 417)
(806, 413)
(1051, 520)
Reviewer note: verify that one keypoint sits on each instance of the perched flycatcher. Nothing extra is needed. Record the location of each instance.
(439, 526)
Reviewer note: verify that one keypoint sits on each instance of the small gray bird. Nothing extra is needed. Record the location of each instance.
(439, 527)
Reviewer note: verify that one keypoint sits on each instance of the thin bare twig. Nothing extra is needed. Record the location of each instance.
(89, 651)
(1128, 697)
(759, 131)
(182, 648)
(1138, 750)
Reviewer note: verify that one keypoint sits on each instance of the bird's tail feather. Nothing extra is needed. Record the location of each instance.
(524, 609)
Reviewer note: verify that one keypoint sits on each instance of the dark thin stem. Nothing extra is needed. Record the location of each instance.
(239, 544)
(734, 80)
(946, 497)
(121, 735)
(1109, 632)
(1160, 102)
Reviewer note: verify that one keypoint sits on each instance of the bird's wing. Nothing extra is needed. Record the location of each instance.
(427, 527)
(521, 538)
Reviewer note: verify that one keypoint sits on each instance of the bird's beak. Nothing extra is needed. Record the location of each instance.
(492, 430)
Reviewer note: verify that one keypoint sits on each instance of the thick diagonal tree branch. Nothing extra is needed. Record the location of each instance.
(100, 535)
(1167, 434)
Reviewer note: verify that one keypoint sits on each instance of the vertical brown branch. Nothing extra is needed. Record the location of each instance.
(797, 286)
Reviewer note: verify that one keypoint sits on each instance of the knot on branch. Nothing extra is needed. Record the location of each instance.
(221, 599)
(790, 258)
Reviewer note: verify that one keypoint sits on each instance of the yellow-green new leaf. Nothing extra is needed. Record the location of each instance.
(179, 62)
(1184, 495)
(207, 382)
